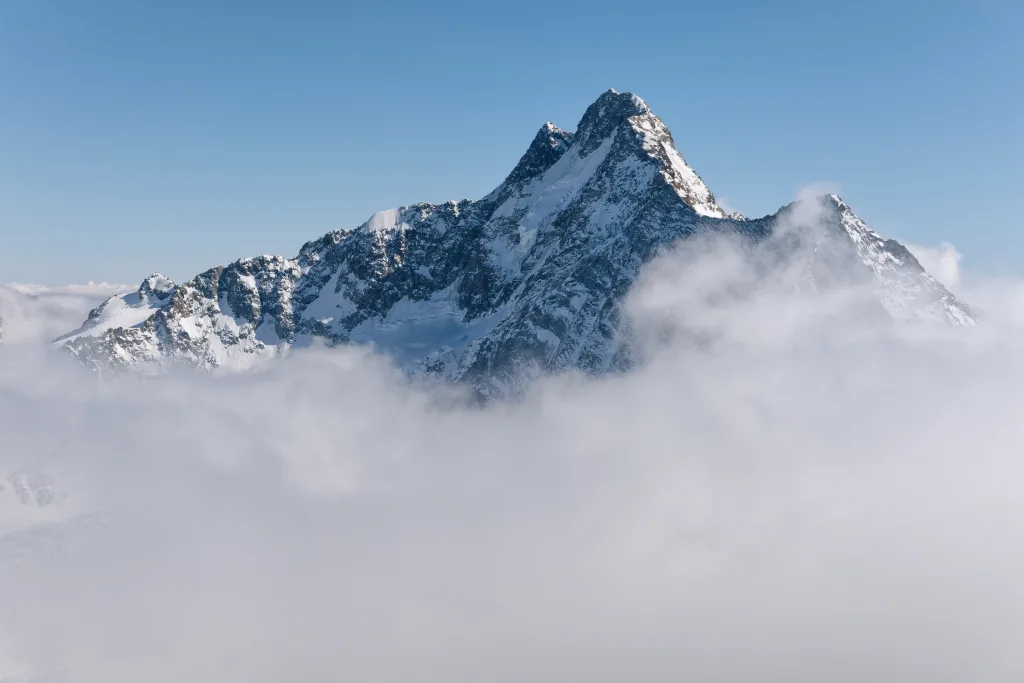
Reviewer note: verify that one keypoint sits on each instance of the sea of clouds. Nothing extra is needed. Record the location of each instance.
(786, 489)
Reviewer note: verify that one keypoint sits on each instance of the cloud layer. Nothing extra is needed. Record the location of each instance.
(30, 313)
(787, 489)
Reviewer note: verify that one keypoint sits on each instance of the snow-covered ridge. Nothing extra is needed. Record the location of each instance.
(528, 279)
(911, 291)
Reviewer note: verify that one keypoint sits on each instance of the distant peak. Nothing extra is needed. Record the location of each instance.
(609, 112)
(837, 200)
(825, 201)
(156, 286)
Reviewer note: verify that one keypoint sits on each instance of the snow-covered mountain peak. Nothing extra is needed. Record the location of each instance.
(627, 117)
(610, 112)
(530, 278)
(839, 238)
(156, 286)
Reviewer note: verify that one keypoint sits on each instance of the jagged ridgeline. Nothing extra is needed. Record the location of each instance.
(530, 278)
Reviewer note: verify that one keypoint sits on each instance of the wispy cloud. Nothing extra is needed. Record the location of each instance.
(942, 262)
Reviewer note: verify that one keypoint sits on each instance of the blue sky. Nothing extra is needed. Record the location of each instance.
(174, 136)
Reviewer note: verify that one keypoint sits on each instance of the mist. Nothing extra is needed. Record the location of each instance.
(787, 488)
(34, 313)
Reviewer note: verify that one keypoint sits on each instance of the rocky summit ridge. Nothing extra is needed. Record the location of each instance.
(529, 279)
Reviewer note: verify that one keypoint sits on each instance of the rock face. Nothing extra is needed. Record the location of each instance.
(528, 279)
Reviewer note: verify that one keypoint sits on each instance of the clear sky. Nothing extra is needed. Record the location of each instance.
(140, 135)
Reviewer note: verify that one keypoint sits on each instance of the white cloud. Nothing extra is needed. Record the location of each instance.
(943, 262)
(727, 205)
(33, 312)
(786, 489)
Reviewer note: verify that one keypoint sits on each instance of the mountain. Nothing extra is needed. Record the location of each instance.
(528, 279)
(38, 517)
